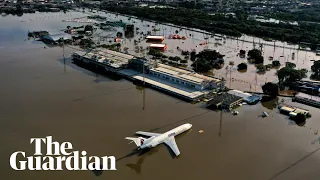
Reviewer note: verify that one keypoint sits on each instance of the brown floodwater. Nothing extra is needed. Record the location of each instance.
(42, 96)
(247, 81)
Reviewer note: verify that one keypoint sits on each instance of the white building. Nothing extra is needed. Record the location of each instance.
(249, 98)
(185, 78)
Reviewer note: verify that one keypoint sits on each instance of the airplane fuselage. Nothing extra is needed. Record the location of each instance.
(156, 140)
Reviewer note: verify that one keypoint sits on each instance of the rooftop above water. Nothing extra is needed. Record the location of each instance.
(106, 56)
(184, 74)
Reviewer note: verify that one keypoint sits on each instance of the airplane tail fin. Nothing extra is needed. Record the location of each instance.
(138, 141)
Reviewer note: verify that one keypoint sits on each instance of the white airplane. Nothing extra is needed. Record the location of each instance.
(156, 139)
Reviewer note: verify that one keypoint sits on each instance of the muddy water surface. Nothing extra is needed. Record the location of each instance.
(41, 96)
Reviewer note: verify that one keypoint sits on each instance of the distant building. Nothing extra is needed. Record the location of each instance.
(307, 99)
(55, 38)
(309, 87)
(161, 47)
(155, 38)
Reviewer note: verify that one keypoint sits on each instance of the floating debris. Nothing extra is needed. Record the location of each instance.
(201, 131)
(265, 114)
(235, 112)
(316, 132)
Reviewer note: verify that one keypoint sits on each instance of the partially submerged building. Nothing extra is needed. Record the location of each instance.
(224, 101)
(185, 78)
(247, 97)
(179, 82)
(109, 60)
(307, 99)
(310, 87)
(141, 65)
(159, 39)
(56, 38)
(161, 47)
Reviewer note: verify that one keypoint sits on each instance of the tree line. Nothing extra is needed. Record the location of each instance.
(227, 25)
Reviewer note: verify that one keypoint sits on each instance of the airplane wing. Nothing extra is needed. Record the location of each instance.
(171, 142)
(147, 133)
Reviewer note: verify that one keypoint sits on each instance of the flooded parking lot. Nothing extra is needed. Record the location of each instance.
(41, 96)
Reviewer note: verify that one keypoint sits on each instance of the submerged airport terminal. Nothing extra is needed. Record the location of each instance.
(183, 83)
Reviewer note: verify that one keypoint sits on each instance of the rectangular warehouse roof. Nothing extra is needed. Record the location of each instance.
(112, 58)
(158, 45)
(184, 74)
(155, 37)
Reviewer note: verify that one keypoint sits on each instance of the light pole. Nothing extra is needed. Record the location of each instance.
(230, 75)
(220, 129)
(144, 87)
(64, 59)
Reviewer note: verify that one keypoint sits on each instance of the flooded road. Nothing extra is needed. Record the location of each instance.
(42, 96)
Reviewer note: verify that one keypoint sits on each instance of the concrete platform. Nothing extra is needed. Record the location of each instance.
(170, 87)
(162, 84)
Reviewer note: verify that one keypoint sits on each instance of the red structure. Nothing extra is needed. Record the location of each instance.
(155, 38)
(161, 47)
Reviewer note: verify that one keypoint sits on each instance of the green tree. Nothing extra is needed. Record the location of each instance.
(261, 68)
(119, 34)
(269, 66)
(155, 52)
(241, 14)
(177, 58)
(209, 55)
(242, 66)
(254, 53)
(276, 63)
(206, 60)
(259, 60)
(88, 28)
(222, 25)
(290, 65)
(300, 118)
(242, 52)
(288, 75)
(271, 89)
(201, 66)
(185, 53)
(183, 61)
(193, 55)
(315, 68)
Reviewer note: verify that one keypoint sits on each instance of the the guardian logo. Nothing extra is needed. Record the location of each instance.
(62, 158)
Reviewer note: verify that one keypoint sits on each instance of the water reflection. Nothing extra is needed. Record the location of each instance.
(37, 102)
(83, 67)
(269, 103)
(316, 141)
(242, 71)
(142, 155)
